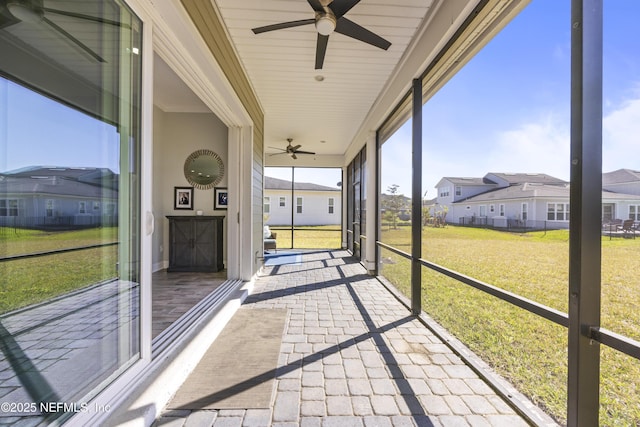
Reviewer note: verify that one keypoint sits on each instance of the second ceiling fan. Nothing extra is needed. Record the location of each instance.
(292, 150)
(329, 18)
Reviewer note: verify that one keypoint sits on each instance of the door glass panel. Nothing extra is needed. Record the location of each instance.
(69, 203)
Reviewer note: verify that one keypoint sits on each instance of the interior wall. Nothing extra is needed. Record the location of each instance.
(176, 136)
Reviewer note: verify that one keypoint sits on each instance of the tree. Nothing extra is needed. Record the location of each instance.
(426, 215)
(392, 204)
(441, 216)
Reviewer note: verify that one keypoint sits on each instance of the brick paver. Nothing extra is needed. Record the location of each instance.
(352, 355)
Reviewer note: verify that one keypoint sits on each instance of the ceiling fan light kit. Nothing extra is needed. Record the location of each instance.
(325, 24)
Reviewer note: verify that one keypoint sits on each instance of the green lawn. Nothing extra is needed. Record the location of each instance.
(309, 237)
(33, 280)
(529, 351)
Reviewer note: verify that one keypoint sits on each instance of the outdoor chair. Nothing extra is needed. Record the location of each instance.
(269, 241)
(611, 227)
(627, 228)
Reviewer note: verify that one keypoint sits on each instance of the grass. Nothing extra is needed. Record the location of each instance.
(32, 280)
(529, 351)
(309, 237)
(20, 242)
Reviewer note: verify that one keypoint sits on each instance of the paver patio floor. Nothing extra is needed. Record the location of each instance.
(352, 355)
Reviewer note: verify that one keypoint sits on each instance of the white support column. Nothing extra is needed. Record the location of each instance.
(248, 248)
(371, 204)
(239, 185)
(345, 225)
(234, 179)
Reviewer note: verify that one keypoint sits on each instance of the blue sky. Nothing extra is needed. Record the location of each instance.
(28, 122)
(507, 110)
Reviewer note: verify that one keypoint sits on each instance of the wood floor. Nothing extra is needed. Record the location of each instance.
(173, 294)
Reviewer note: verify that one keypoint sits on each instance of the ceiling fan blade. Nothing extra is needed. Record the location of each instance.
(6, 18)
(296, 147)
(293, 156)
(316, 5)
(74, 40)
(305, 152)
(86, 17)
(351, 29)
(277, 154)
(283, 25)
(321, 50)
(278, 148)
(340, 7)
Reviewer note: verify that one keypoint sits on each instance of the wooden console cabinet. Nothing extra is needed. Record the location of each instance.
(195, 243)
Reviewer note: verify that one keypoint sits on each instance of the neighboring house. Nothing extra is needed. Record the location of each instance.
(310, 204)
(58, 197)
(522, 200)
(625, 181)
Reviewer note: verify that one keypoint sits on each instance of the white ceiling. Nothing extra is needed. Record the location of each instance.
(280, 65)
(171, 94)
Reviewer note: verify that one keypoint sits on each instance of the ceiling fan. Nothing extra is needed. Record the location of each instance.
(292, 150)
(33, 11)
(329, 18)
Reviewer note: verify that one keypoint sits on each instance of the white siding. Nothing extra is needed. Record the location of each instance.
(315, 207)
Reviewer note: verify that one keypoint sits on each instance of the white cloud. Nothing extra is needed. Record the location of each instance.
(542, 146)
(621, 137)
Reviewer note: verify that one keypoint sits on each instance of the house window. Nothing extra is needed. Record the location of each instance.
(299, 205)
(267, 205)
(444, 192)
(634, 212)
(49, 206)
(282, 202)
(483, 210)
(492, 209)
(558, 211)
(331, 204)
(96, 206)
(82, 207)
(458, 190)
(9, 207)
(501, 207)
(524, 211)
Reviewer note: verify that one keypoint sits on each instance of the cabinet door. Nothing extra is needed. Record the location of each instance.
(204, 248)
(182, 242)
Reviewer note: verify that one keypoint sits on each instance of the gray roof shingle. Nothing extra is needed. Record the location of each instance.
(271, 183)
(620, 176)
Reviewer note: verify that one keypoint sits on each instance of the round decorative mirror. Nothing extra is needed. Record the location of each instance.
(203, 169)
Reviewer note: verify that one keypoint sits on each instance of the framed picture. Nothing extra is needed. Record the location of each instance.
(183, 198)
(220, 198)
